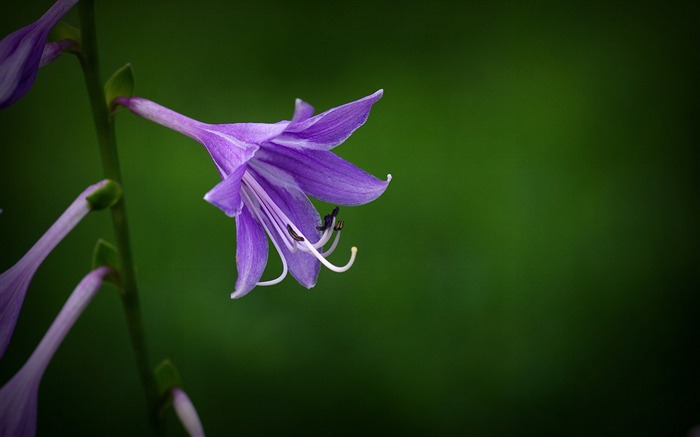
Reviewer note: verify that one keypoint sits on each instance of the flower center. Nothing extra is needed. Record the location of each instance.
(276, 223)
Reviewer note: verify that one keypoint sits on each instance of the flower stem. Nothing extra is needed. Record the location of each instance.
(104, 125)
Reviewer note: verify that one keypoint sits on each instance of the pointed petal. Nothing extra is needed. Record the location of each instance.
(226, 195)
(322, 174)
(328, 129)
(297, 207)
(302, 111)
(251, 253)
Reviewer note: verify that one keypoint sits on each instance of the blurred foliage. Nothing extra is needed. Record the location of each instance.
(531, 270)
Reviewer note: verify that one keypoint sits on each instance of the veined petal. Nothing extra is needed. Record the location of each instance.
(228, 145)
(251, 253)
(328, 129)
(226, 195)
(21, 51)
(297, 207)
(322, 174)
(253, 133)
(163, 116)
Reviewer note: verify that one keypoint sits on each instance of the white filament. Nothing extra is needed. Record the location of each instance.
(266, 209)
(285, 269)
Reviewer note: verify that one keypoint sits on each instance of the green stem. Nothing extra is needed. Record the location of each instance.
(104, 125)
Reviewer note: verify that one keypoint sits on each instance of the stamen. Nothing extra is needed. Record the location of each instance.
(327, 220)
(294, 235)
(333, 246)
(285, 269)
(325, 262)
(269, 213)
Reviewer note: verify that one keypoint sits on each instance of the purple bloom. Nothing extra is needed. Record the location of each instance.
(18, 398)
(15, 280)
(186, 413)
(268, 170)
(22, 53)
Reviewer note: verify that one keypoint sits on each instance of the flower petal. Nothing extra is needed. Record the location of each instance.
(252, 132)
(226, 195)
(186, 412)
(297, 207)
(20, 53)
(328, 129)
(322, 174)
(18, 397)
(302, 111)
(251, 253)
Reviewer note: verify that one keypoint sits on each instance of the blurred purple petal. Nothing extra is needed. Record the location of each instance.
(186, 413)
(18, 398)
(15, 281)
(21, 53)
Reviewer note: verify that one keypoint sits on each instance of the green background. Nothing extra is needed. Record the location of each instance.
(532, 268)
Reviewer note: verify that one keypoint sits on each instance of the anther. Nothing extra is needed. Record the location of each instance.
(335, 211)
(293, 234)
(327, 221)
(338, 226)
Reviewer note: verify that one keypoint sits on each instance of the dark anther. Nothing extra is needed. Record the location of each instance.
(293, 234)
(335, 211)
(338, 226)
(327, 220)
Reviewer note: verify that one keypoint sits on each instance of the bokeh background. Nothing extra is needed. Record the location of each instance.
(531, 270)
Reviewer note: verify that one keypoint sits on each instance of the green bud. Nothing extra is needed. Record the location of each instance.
(63, 31)
(106, 254)
(121, 84)
(105, 196)
(167, 376)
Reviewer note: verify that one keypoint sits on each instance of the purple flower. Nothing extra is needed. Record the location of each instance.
(268, 170)
(186, 412)
(22, 53)
(15, 280)
(18, 398)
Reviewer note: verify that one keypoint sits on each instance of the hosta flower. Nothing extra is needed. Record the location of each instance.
(186, 412)
(25, 50)
(15, 280)
(18, 398)
(268, 170)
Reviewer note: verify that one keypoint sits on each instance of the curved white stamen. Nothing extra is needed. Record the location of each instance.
(326, 235)
(272, 211)
(333, 246)
(285, 269)
(325, 262)
(288, 232)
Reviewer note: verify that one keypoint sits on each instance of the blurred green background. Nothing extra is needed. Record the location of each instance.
(531, 270)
